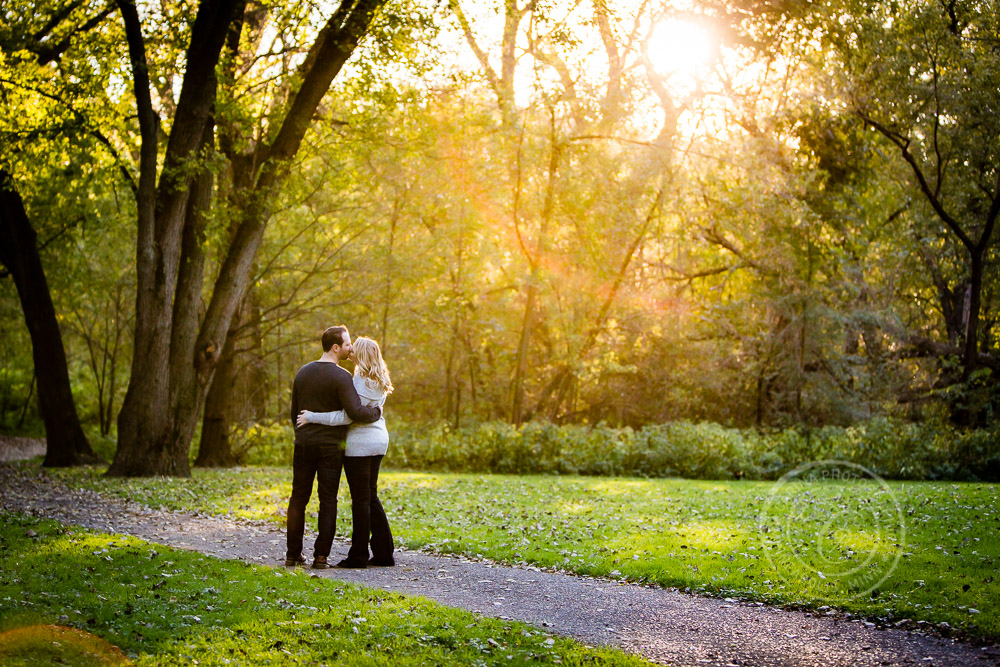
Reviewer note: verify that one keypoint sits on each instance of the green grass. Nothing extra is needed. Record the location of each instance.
(719, 538)
(163, 606)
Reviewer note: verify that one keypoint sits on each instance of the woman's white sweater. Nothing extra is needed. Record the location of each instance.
(362, 439)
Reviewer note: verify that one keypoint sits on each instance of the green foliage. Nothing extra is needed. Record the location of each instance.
(18, 398)
(782, 255)
(61, 129)
(163, 606)
(891, 448)
(263, 444)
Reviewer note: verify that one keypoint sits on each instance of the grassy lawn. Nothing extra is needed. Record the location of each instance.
(711, 537)
(163, 607)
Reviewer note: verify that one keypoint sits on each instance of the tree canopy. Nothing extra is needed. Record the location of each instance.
(754, 213)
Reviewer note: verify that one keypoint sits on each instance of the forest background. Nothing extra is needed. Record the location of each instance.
(732, 226)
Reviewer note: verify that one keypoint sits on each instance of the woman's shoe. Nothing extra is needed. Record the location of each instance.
(382, 562)
(352, 564)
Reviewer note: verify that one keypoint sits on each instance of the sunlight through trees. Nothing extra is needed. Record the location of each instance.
(758, 214)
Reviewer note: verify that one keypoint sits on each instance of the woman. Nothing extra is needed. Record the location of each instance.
(366, 445)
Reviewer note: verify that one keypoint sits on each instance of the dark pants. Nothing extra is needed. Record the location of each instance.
(366, 509)
(309, 461)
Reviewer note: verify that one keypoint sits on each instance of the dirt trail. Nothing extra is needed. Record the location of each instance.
(20, 449)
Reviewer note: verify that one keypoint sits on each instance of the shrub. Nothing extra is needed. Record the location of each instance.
(269, 444)
(890, 448)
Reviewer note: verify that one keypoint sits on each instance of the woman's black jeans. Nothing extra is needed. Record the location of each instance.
(366, 510)
(308, 462)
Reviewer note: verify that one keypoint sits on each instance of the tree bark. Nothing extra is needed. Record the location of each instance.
(176, 357)
(215, 449)
(503, 83)
(235, 390)
(970, 356)
(66, 444)
(148, 442)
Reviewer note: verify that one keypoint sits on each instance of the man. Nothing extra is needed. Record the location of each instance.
(321, 386)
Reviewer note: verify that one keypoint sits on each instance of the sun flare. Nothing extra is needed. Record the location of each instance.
(679, 46)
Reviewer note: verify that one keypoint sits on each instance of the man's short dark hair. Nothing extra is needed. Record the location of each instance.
(334, 336)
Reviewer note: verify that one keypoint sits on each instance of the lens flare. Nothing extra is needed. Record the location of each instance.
(680, 47)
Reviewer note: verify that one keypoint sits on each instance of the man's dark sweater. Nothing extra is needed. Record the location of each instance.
(323, 386)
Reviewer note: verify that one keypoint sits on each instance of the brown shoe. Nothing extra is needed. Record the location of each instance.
(319, 563)
(295, 561)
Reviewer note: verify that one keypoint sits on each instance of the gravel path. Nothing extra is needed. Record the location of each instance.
(19, 449)
(662, 625)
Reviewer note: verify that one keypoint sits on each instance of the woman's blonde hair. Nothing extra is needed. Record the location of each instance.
(370, 364)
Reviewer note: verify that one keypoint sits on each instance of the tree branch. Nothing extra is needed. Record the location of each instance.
(689, 276)
(920, 347)
(94, 132)
(713, 235)
(991, 219)
(613, 94)
(47, 54)
(569, 84)
(903, 144)
(484, 61)
(148, 122)
(56, 19)
(333, 46)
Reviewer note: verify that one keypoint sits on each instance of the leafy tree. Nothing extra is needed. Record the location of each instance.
(326, 180)
(34, 43)
(926, 78)
(177, 350)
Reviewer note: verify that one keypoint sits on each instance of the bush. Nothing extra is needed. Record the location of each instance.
(890, 448)
(263, 444)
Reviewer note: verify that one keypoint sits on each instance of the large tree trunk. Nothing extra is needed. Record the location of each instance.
(147, 427)
(215, 449)
(175, 357)
(66, 443)
(236, 391)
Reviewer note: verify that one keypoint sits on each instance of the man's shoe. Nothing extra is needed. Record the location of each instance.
(295, 561)
(352, 564)
(382, 562)
(319, 563)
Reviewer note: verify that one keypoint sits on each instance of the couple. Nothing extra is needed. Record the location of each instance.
(325, 401)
